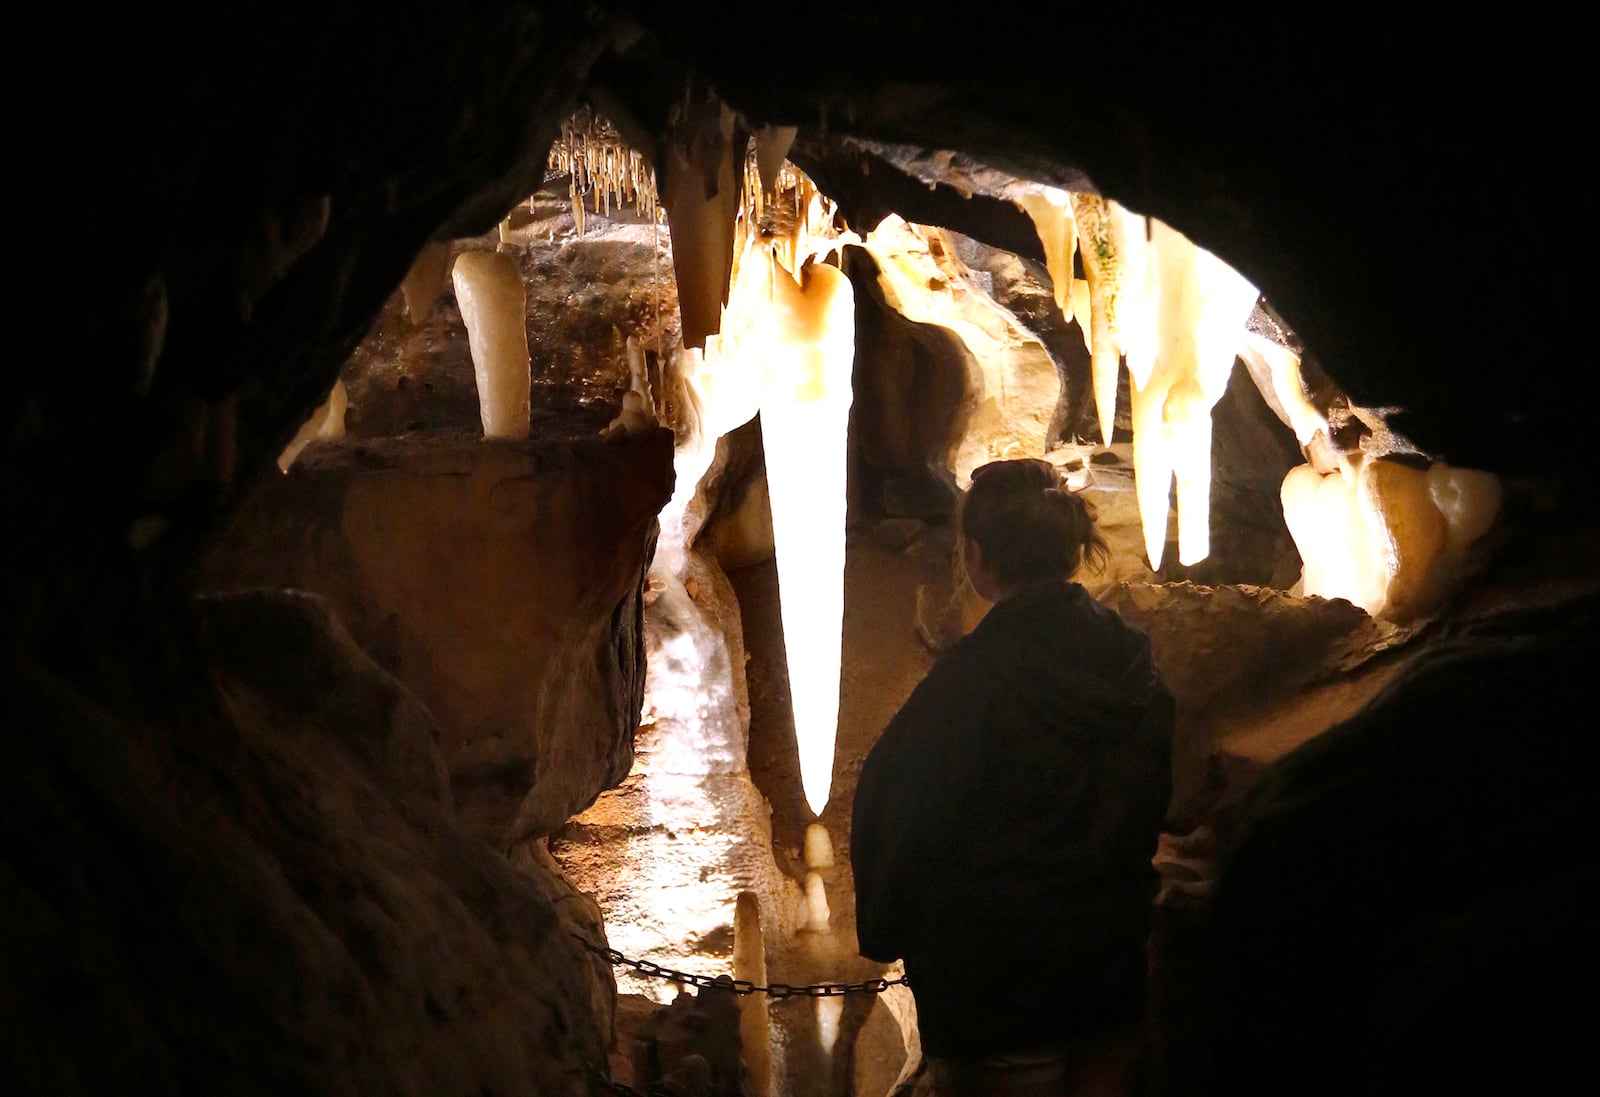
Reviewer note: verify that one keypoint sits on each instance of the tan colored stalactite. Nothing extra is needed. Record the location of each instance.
(701, 197)
(591, 153)
(1053, 220)
(1100, 267)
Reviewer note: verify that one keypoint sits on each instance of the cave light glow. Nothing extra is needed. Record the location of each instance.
(790, 322)
(783, 343)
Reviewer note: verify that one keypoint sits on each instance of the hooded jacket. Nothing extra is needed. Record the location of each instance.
(1004, 823)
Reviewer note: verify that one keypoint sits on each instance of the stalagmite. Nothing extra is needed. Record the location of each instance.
(829, 1011)
(819, 847)
(750, 965)
(1407, 533)
(1469, 500)
(638, 373)
(817, 913)
(1330, 531)
(494, 306)
(633, 420)
(1386, 536)
(424, 282)
(326, 422)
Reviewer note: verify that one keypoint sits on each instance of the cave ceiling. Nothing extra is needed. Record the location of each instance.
(232, 195)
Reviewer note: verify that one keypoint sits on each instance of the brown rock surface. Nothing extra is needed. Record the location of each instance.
(268, 893)
(500, 581)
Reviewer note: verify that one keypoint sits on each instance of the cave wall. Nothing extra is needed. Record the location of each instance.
(503, 582)
(219, 203)
(256, 883)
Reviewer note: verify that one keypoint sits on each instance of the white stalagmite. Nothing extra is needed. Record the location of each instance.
(494, 306)
(829, 1009)
(750, 965)
(1331, 533)
(1385, 536)
(326, 422)
(805, 415)
(424, 282)
(819, 847)
(817, 912)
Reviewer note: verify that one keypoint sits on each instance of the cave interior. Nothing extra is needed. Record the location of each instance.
(355, 708)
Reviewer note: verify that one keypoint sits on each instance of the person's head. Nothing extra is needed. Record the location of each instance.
(1021, 526)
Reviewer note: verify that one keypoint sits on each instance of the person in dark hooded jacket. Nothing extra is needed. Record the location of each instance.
(1004, 823)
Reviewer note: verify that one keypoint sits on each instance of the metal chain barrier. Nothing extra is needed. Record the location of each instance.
(742, 987)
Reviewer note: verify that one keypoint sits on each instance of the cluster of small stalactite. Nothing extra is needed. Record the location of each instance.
(789, 216)
(599, 166)
(790, 195)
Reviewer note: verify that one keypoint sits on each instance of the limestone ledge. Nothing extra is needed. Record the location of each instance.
(500, 581)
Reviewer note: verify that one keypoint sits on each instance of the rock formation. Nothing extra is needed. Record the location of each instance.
(266, 842)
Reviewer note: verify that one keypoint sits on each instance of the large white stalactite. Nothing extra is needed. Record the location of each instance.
(1385, 535)
(1174, 313)
(1177, 314)
(1201, 308)
(805, 417)
(784, 344)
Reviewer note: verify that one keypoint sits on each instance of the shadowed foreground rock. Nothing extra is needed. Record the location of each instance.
(270, 895)
(1408, 906)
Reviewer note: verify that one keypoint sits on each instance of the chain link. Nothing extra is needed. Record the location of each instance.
(742, 987)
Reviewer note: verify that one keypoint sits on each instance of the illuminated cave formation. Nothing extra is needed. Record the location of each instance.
(467, 690)
(1373, 523)
(1371, 530)
(489, 292)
